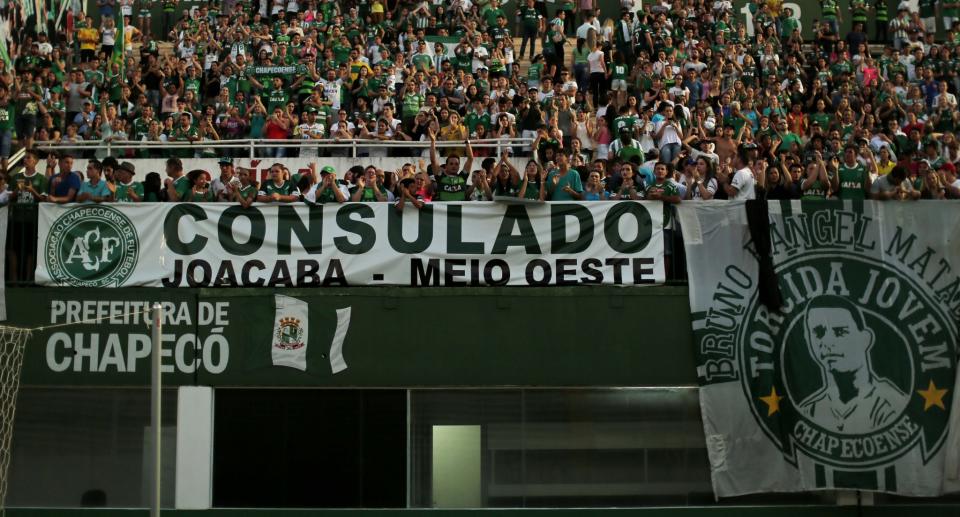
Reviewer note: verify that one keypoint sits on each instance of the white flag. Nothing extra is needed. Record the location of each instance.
(290, 340)
(291, 324)
(337, 363)
(848, 384)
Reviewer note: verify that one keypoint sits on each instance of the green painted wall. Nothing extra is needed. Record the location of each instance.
(398, 337)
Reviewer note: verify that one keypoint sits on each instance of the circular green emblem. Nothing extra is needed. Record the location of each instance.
(92, 246)
(855, 368)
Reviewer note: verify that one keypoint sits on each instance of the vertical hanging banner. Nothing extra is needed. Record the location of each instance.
(848, 384)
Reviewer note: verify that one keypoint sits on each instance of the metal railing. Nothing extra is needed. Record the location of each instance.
(354, 146)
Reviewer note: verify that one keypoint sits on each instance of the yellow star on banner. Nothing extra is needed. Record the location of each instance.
(932, 396)
(772, 401)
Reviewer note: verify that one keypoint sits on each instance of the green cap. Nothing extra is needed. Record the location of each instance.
(328, 170)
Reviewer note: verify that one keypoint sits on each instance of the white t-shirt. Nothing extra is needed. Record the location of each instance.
(480, 56)
(743, 181)
(594, 59)
(335, 129)
(331, 90)
(219, 187)
(109, 36)
(307, 131)
(669, 135)
(583, 31)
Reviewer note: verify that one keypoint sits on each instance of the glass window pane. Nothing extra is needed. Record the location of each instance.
(558, 448)
(309, 448)
(88, 447)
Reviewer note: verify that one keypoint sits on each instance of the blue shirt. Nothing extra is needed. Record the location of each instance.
(98, 190)
(930, 91)
(62, 187)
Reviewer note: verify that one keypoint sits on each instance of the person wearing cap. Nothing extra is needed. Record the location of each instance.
(327, 190)
(84, 119)
(226, 178)
(124, 189)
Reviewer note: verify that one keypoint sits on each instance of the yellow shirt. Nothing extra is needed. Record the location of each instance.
(355, 67)
(377, 7)
(88, 38)
(775, 6)
(128, 33)
(453, 134)
(883, 170)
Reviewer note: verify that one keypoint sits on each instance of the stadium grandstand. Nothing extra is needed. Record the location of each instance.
(581, 257)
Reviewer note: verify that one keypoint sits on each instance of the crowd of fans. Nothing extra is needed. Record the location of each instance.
(677, 100)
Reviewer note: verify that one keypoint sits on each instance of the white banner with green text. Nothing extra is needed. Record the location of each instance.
(826, 337)
(351, 244)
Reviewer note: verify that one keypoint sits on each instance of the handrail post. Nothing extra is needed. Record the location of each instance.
(253, 149)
